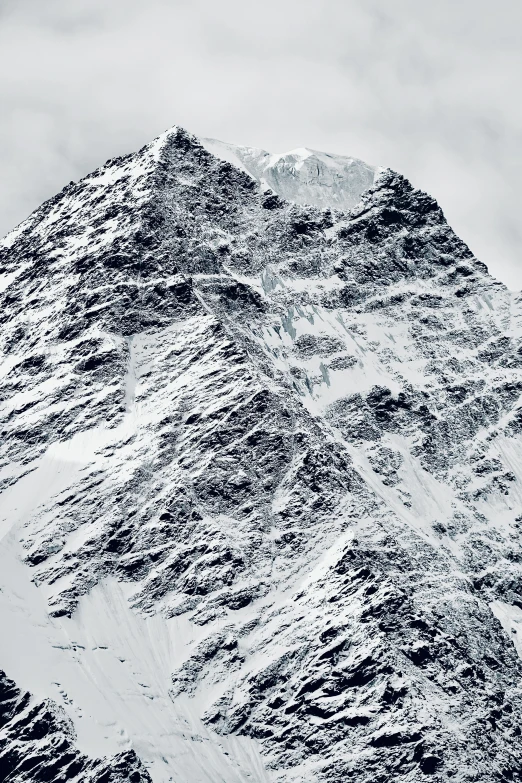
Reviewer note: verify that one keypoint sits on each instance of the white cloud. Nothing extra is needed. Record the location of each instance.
(427, 88)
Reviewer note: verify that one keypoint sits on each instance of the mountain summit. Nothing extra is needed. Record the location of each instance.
(261, 480)
(303, 176)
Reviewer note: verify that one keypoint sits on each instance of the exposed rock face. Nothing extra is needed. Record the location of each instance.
(293, 436)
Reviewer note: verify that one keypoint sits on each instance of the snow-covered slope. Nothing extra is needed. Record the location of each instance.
(261, 500)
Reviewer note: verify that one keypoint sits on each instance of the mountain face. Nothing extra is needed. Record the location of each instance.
(261, 480)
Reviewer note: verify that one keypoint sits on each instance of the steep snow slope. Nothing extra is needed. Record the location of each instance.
(261, 482)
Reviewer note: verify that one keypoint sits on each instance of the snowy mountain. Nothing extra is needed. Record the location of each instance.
(261, 479)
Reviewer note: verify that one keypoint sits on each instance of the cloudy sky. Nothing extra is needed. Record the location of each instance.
(431, 89)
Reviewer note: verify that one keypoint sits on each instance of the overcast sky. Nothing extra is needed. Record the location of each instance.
(430, 88)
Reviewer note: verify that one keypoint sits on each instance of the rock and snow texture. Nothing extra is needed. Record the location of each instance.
(261, 480)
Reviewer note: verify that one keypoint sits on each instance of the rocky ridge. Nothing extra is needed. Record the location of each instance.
(291, 435)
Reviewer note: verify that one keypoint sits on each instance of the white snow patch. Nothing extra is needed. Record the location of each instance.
(510, 618)
(8, 277)
(226, 152)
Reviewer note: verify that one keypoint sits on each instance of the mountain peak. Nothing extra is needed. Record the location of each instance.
(260, 473)
(302, 175)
